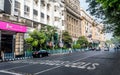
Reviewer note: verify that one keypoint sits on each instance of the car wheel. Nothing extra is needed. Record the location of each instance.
(47, 54)
(40, 55)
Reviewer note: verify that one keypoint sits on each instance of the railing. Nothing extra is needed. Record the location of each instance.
(28, 54)
(8, 55)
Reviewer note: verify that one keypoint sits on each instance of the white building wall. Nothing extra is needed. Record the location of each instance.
(2, 5)
(41, 9)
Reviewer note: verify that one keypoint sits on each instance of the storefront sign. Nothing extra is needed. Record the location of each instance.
(12, 27)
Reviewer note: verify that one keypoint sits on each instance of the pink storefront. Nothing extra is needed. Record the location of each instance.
(12, 37)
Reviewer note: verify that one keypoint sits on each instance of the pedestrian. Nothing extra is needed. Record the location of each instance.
(2, 55)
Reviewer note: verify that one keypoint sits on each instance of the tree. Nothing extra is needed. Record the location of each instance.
(76, 46)
(67, 39)
(82, 41)
(115, 40)
(51, 35)
(108, 11)
(37, 38)
(108, 43)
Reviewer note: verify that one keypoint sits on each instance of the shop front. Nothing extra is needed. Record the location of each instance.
(11, 38)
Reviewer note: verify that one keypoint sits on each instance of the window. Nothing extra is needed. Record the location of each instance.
(48, 18)
(42, 3)
(42, 15)
(26, 10)
(17, 6)
(56, 19)
(48, 6)
(35, 12)
(36, 1)
(62, 22)
(56, 8)
(62, 12)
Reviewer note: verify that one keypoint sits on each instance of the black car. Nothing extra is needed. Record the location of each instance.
(40, 53)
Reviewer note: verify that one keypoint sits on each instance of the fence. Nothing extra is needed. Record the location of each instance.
(28, 54)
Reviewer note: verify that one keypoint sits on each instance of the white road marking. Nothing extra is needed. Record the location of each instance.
(47, 70)
(61, 65)
(19, 67)
(3, 71)
(93, 66)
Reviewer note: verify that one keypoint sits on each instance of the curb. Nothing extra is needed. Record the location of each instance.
(59, 53)
(13, 59)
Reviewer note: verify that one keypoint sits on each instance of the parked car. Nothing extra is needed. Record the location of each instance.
(40, 53)
(98, 49)
(93, 49)
(106, 49)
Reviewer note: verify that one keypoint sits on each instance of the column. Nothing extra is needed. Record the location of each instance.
(19, 43)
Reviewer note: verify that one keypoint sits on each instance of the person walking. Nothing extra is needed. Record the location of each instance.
(2, 55)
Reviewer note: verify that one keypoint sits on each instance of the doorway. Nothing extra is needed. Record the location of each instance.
(6, 43)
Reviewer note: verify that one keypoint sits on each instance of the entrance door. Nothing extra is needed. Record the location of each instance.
(6, 42)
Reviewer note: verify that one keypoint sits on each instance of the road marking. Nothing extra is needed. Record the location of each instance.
(47, 70)
(18, 67)
(61, 65)
(3, 71)
(93, 66)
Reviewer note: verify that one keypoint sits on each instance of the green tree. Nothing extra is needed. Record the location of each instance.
(49, 31)
(108, 43)
(51, 34)
(67, 39)
(76, 46)
(82, 41)
(108, 11)
(36, 39)
(115, 40)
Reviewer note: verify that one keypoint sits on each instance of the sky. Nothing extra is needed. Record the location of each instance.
(84, 5)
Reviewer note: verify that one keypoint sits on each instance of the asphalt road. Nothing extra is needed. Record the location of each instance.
(77, 63)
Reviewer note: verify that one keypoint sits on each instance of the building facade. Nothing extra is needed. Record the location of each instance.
(19, 17)
(28, 15)
(86, 25)
(91, 29)
(72, 18)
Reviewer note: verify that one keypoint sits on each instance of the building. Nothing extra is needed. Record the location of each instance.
(25, 16)
(98, 35)
(91, 29)
(72, 18)
(86, 25)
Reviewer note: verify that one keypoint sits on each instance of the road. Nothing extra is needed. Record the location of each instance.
(77, 63)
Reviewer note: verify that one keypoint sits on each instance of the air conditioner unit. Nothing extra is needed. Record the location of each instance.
(36, 1)
(1, 15)
(22, 20)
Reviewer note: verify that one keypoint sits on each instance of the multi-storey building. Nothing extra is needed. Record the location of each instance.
(91, 29)
(86, 25)
(72, 17)
(25, 15)
(98, 35)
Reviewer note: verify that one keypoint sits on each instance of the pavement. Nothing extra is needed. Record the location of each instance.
(77, 63)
